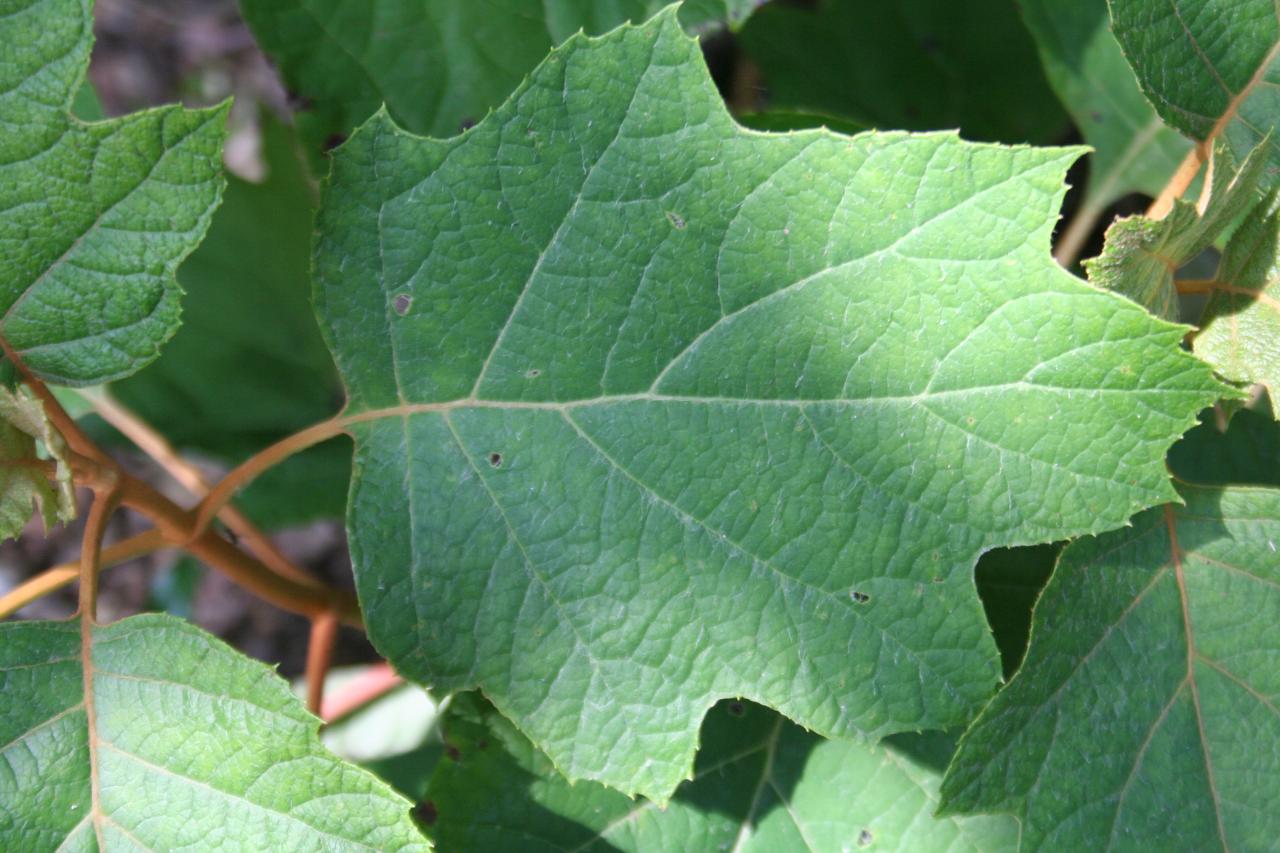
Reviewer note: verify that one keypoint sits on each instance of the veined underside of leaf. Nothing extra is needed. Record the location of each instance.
(651, 410)
(1211, 68)
(94, 218)
(152, 734)
(1146, 713)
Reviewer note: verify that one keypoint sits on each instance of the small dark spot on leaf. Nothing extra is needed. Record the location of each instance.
(930, 44)
(482, 744)
(452, 752)
(401, 303)
(860, 597)
(676, 220)
(1096, 116)
(333, 140)
(468, 123)
(532, 373)
(737, 709)
(938, 579)
(426, 812)
(865, 837)
(495, 459)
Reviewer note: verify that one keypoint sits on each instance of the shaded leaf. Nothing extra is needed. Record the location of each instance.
(438, 65)
(1248, 454)
(94, 218)
(936, 64)
(651, 410)
(1210, 68)
(24, 480)
(164, 738)
(1134, 150)
(1009, 581)
(1240, 326)
(1142, 255)
(760, 784)
(1141, 715)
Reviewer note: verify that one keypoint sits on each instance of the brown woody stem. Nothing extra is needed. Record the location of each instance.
(324, 635)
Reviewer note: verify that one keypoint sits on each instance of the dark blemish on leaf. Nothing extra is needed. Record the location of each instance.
(468, 123)
(333, 140)
(930, 43)
(482, 744)
(860, 597)
(865, 837)
(426, 812)
(453, 752)
(938, 579)
(532, 373)
(1096, 116)
(971, 420)
(737, 709)
(401, 303)
(495, 459)
(676, 220)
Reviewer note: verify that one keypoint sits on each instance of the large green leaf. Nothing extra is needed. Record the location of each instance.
(1146, 712)
(151, 734)
(760, 784)
(651, 410)
(248, 366)
(438, 65)
(25, 484)
(94, 218)
(1210, 67)
(936, 64)
(1134, 150)
(1240, 327)
(1142, 255)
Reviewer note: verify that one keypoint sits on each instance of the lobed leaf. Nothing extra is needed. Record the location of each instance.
(152, 734)
(94, 218)
(1139, 716)
(760, 784)
(1210, 68)
(651, 410)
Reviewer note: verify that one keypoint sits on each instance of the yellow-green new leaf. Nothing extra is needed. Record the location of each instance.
(25, 483)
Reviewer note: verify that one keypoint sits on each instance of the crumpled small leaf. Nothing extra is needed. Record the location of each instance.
(1240, 326)
(1141, 255)
(24, 480)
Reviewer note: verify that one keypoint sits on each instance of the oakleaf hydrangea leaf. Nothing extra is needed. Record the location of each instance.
(760, 784)
(1146, 710)
(652, 410)
(1134, 151)
(1210, 68)
(438, 65)
(24, 480)
(1141, 254)
(94, 218)
(152, 734)
(1240, 327)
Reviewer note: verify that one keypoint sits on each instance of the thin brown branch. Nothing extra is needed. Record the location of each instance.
(57, 577)
(368, 687)
(156, 446)
(1179, 182)
(309, 598)
(324, 634)
(105, 501)
(244, 473)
